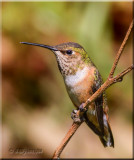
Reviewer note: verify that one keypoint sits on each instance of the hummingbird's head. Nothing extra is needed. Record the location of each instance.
(70, 56)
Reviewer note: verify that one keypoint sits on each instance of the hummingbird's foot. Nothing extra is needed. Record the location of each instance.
(76, 118)
(82, 108)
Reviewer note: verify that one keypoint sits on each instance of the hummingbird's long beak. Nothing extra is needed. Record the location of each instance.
(41, 45)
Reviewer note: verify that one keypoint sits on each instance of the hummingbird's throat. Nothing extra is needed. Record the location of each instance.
(68, 65)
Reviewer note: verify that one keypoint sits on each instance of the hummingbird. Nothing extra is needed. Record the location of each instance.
(82, 79)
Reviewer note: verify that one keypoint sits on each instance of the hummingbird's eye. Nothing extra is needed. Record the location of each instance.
(69, 52)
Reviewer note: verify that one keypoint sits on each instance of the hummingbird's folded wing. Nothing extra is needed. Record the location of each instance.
(96, 116)
(99, 100)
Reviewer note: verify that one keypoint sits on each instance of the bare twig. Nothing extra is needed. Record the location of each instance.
(68, 136)
(111, 80)
(122, 74)
(120, 50)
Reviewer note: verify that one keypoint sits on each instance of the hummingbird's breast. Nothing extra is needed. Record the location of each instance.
(79, 85)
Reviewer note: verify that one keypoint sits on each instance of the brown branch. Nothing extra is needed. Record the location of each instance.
(120, 50)
(111, 80)
(120, 76)
(68, 136)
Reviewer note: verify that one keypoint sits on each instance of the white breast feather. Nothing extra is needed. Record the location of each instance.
(72, 80)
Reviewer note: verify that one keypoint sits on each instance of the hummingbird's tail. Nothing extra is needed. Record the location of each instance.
(107, 140)
(107, 137)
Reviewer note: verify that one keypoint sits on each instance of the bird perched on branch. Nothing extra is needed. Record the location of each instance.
(82, 79)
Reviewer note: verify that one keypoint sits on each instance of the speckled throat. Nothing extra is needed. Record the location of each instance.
(69, 65)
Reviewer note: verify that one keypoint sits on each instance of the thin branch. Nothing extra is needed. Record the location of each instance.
(111, 80)
(120, 76)
(68, 136)
(120, 50)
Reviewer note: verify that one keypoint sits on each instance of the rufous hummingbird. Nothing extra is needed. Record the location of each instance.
(82, 79)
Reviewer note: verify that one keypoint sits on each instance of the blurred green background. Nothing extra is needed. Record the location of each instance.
(35, 106)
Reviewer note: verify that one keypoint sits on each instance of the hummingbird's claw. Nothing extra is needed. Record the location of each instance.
(75, 117)
(81, 108)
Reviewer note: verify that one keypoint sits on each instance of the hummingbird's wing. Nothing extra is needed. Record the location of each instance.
(99, 100)
(96, 116)
(107, 139)
(91, 120)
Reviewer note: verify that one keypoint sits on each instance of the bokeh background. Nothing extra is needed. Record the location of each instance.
(35, 106)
